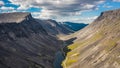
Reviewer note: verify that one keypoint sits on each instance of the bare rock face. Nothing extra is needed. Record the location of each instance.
(97, 45)
(14, 17)
(24, 43)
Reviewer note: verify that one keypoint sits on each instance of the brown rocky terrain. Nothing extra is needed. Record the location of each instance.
(97, 45)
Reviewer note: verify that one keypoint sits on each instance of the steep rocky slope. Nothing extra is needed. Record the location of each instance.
(97, 45)
(24, 43)
(55, 28)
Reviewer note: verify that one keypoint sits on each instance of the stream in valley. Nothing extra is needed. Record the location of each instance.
(59, 58)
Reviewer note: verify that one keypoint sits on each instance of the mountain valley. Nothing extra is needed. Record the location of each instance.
(27, 42)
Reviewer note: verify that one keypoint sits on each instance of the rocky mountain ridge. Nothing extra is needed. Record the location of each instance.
(16, 17)
(24, 42)
(97, 45)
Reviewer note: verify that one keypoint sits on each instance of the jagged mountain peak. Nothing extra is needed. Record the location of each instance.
(15, 17)
(112, 14)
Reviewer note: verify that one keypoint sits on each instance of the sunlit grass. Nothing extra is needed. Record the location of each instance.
(73, 55)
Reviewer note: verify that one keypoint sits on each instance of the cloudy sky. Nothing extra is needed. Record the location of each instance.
(80, 11)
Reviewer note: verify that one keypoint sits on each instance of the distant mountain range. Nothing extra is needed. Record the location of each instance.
(54, 28)
(74, 26)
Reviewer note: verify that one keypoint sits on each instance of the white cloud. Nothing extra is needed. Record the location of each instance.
(1, 3)
(78, 19)
(116, 0)
(36, 14)
(107, 6)
(6, 8)
(58, 8)
(24, 4)
(86, 19)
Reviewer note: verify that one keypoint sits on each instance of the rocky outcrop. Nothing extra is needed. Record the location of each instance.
(16, 17)
(97, 45)
(24, 43)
